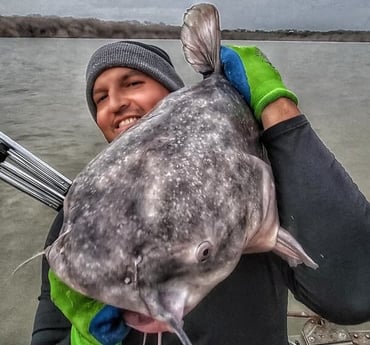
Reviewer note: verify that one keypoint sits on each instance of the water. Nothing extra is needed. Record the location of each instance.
(42, 100)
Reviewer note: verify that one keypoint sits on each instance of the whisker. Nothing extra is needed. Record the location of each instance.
(27, 261)
(144, 338)
(177, 328)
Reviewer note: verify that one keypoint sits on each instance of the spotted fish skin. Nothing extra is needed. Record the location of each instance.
(177, 178)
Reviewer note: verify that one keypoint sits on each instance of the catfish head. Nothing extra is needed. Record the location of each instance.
(155, 272)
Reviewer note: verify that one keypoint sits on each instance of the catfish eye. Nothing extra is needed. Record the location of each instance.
(203, 251)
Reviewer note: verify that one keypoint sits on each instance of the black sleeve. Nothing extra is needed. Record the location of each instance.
(322, 207)
(50, 326)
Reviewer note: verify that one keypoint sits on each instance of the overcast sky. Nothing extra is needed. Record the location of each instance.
(319, 15)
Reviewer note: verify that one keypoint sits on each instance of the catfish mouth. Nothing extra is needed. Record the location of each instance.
(145, 324)
(165, 312)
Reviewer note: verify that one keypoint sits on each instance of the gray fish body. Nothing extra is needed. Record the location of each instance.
(179, 178)
(164, 213)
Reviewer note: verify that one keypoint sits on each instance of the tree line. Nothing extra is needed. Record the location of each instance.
(69, 27)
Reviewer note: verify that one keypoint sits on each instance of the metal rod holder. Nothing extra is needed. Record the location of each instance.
(29, 174)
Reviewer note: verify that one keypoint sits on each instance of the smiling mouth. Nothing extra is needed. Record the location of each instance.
(128, 121)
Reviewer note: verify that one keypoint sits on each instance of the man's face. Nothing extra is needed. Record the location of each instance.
(122, 96)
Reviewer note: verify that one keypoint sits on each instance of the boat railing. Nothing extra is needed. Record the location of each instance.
(318, 331)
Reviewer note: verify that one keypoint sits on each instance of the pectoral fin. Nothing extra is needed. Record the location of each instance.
(266, 234)
(291, 251)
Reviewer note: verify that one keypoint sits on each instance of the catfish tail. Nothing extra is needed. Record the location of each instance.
(201, 38)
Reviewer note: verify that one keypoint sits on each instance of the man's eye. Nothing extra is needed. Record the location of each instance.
(135, 83)
(100, 99)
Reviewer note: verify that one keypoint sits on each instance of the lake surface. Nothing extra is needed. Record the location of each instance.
(42, 99)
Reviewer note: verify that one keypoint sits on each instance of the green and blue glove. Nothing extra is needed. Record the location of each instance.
(93, 323)
(252, 74)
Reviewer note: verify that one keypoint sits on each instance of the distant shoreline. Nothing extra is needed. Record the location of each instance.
(69, 27)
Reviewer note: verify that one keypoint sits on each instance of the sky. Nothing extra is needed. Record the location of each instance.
(317, 15)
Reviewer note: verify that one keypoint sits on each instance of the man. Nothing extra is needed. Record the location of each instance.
(317, 200)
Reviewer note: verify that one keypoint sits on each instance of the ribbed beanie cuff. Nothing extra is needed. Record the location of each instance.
(146, 58)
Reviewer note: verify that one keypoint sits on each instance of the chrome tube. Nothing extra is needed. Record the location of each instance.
(29, 174)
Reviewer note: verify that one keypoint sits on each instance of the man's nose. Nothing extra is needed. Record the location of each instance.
(118, 101)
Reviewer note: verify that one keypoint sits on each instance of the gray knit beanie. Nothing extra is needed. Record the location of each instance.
(146, 58)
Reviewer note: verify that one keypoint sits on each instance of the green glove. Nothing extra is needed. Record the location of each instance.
(93, 323)
(252, 74)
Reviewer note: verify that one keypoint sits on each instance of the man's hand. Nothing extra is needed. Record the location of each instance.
(252, 74)
(93, 323)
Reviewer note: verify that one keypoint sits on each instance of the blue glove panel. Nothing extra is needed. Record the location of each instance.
(108, 326)
(234, 72)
